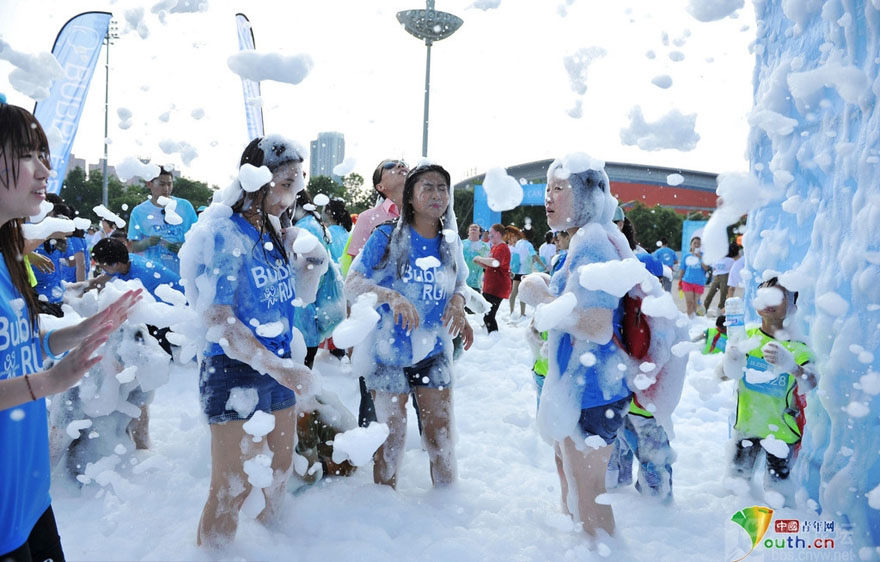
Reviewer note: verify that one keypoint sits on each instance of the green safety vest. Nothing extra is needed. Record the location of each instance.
(774, 407)
(714, 343)
(542, 364)
(32, 279)
(345, 259)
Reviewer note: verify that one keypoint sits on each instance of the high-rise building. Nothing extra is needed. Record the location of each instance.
(326, 153)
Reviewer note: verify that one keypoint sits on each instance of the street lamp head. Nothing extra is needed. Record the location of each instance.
(430, 25)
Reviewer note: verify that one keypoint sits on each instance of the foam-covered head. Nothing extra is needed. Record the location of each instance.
(590, 187)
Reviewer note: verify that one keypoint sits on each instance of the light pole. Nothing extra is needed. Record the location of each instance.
(108, 40)
(430, 25)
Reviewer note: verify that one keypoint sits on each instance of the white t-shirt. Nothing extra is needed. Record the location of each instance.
(722, 266)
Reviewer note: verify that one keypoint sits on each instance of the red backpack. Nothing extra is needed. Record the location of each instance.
(636, 333)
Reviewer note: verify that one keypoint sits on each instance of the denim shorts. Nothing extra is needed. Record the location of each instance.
(220, 375)
(431, 372)
(604, 420)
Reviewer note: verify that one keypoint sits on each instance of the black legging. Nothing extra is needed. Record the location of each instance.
(43, 543)
(489, 317)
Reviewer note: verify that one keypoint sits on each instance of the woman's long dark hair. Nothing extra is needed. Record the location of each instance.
(302, 199)
(400, 236)
(340, 215)
(255, 156)
(19, 132)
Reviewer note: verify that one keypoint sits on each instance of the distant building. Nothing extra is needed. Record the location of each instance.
(99, 167)
(73, 163)
(326, 153)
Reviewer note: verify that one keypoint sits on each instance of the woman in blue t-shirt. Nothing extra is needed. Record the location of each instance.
(27, 523)
(416, 269)
(242, 281)
(585, 396)
(692, 279)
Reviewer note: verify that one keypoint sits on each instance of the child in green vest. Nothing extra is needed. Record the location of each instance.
(773, 374)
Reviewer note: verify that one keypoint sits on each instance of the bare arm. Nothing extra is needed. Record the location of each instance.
(64, 339)
(80, 263)
(239, 343)
(139, 246)
(592, 324)
(63, 375)
(404, 312)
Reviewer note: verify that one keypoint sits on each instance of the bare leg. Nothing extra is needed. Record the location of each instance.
(690, 299)
(391, 410)
(522, 308)
(230, 446)
(563, 481)
(435, 410)
(139, 429)
(512, 298)
(281, 442)
(585, 472)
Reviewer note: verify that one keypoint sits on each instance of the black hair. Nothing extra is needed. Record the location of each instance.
(733, 250)
(409, 188)
(255, 156)
(629, 230)
(109, 251)
(340, 215)
(303, 198)
(548, 238)
(400, 236)
(774, 282)
(664, 241)
(20, 132)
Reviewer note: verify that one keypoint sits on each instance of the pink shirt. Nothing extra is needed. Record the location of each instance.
(367, 221)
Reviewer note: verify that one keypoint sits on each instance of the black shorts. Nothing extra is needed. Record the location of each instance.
(604, 420)
(518, 276)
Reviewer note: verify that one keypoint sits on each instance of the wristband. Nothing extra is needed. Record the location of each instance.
(46, 350)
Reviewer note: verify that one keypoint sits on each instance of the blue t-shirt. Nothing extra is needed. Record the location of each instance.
(666, 255)
(471, 250)
(24, 430)
(150, 274)
(305, 317)
(428, 286)
(603, 382)
(692, 270)
(340, 239)
(49, 284)
(256, 282)
(149, 220)
(75, 245)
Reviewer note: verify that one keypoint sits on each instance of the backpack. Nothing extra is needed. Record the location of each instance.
(635, 332)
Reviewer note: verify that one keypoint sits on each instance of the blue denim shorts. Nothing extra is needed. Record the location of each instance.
(605, 420)
(431, 372)
(220, 375)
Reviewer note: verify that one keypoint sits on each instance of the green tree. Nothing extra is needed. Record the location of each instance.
(196, 192)
(654, 223)
(358, 197)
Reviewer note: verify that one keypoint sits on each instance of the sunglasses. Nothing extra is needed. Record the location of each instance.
(389, 165)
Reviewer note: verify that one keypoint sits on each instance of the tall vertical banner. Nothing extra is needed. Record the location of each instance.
(76, 48)
(252, 107)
